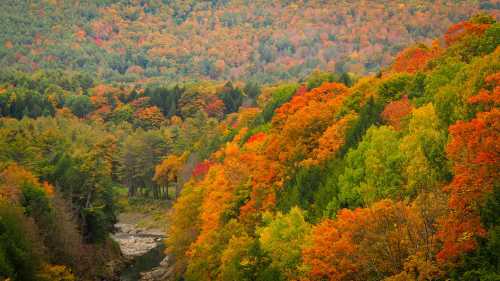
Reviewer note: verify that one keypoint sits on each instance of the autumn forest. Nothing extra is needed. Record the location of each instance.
(228, 140)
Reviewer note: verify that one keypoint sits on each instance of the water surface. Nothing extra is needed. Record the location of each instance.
(143, 263)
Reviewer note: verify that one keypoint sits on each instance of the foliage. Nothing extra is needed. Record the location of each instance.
(373, 169)
(18, 252)
(282, 238)
(56, 273)
(124, 41)
(369, 164)
(392, 176)
(474, 154)
(372, 242)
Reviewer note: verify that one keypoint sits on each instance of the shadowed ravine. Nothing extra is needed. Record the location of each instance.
(145, 251)
(143, 263)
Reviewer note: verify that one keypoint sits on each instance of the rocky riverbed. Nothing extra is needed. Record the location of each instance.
(144, 251)
(135, 241)
(160, 273)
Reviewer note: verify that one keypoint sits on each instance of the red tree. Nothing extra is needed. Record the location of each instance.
(475, 152)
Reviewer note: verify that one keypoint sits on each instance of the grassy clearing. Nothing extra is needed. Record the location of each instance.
(146, 213)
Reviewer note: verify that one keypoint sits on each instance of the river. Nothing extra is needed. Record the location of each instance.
(143, 263)
(143, 248)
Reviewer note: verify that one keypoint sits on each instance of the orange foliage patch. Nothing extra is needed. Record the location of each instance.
(383, 239)
(215, 108)
(331, 141)
(462, 29)
(395, 111)
(341, 249)
(8, 44)
(475, 152)
(258, 137)
(299, 124)
(151, 114)
(14, 177)
(488, 98)
(413, 59)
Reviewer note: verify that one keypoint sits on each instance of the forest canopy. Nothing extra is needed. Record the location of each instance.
(289, 140)
(264, 40)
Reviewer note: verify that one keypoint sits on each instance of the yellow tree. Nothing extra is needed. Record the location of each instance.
(184, 226)
(166, 172)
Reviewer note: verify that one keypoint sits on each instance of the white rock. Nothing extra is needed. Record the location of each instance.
(134, 241)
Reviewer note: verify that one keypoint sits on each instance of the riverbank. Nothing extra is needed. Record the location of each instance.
(145, 213)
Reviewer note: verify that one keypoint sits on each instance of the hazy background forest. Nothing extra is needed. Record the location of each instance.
(262, 40)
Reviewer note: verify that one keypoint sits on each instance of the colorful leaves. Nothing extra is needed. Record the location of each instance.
(413, 59)
(201, 169)
(282, 238)
(14, 177)
(475, 152)
(326, 148)
(460, 30)
(53, 272)
(395, 111)
(151, 117)
(258, 137)
(184, 225)
(332, 140)
(373, 241)
(489, 96)
(299, 124)
(168, 169)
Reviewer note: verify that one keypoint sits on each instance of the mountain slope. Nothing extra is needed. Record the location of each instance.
(394, 178)
(185, 40)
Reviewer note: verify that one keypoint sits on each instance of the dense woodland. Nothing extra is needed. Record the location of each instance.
(282, 157)
(393, 178)
(264, 40)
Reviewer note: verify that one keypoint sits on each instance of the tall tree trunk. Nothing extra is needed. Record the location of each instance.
(167, 191)
(177, 188)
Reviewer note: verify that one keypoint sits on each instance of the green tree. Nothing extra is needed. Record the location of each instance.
(19, 259)
(374, 169)
(282, 238)
(252, 90)
(232, 97)
(423, 151)
(80, 105)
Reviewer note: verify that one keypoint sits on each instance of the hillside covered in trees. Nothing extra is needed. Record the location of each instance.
(293, 140)
(263, 40)
(393, 178)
